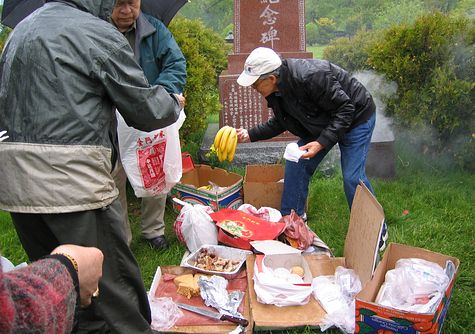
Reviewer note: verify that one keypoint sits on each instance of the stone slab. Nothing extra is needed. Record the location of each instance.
(246, 153)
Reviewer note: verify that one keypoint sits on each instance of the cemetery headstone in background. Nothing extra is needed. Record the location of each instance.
(276, 24)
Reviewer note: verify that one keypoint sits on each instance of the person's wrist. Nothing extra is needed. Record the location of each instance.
(71, 259)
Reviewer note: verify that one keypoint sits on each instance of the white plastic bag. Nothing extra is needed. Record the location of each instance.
(271, 289)
(165, 313)
(197, 227)
(151, 160)
(265, 212)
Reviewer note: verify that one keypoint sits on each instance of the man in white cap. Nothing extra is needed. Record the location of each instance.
(320, 103)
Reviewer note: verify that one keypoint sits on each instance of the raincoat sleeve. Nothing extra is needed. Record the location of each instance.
(142, 106)
(40, 297)
(328, 94)
(169, 59)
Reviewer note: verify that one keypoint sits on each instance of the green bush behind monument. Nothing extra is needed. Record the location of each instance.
(432, 62)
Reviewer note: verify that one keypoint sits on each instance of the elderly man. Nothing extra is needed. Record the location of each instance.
(62, 73)
(163, 64)
(320, 103)
(323, 105)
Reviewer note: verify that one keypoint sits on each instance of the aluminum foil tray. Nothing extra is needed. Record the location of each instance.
(231, 253)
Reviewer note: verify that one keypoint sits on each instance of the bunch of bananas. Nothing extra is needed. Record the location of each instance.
(225, 143)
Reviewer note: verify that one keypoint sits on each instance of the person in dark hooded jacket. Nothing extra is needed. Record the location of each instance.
(320, 103)
(63, 71)
(163, 63)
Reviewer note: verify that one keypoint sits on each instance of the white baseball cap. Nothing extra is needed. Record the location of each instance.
(260, 61)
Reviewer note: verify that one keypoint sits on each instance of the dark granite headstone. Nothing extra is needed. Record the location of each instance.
(277, 24)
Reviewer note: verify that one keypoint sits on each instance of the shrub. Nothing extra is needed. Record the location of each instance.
(206, 55)
(432, 63)
(409, 54)
(351, 53)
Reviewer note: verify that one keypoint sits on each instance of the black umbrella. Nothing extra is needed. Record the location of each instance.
(16, 10)
(164, 10)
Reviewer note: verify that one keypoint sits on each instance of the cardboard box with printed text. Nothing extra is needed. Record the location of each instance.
(229, 195)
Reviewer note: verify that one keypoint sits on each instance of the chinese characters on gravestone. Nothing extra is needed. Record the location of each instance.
(276, 24)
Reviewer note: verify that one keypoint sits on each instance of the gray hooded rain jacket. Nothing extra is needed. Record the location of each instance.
(62, 72)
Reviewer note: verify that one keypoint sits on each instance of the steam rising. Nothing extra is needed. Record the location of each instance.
(380, 89)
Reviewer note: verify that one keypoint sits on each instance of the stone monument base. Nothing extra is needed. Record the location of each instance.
(246, 153)
(380, 162)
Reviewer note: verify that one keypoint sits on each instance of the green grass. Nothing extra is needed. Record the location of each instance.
(441, 218)
(317, 50)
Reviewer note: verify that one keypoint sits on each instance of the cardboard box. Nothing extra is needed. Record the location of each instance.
(262, 187)
(361, 248)
(187, 189)
(186, 325)
(373, 318)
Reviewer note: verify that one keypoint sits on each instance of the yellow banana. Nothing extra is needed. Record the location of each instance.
(224, 141)
(230, 141)
(218, 153)
(218, 136)
(232, 151)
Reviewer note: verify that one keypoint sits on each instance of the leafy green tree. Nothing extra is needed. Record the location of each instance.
(312, 33)
(398, 12)
(206, 55)
(326, 30)
(215, 14)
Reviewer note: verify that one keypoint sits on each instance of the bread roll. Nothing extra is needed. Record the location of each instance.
(298, 270)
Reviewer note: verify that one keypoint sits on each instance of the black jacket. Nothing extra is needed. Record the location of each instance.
(317, 100)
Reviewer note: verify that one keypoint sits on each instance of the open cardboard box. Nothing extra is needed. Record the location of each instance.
(371, 317)
(207, 326)
(263, 185)
(361, 247)
(201, 175)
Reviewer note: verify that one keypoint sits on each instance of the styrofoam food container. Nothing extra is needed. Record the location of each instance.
(231, 253)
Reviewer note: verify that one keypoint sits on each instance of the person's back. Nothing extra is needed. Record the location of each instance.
(61, 74)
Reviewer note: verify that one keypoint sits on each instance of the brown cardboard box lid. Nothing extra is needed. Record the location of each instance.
(362, 238)
(264, 173)
(202, 174)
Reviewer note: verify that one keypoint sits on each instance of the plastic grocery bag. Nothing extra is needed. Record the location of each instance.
(194, 226)
(151, 160)
(271, 289)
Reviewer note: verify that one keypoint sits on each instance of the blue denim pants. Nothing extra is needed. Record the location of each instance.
(354, 149)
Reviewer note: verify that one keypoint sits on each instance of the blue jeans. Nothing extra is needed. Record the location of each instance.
(354, 148)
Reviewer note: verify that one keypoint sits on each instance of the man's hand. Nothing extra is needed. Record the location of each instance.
(181, 100)
(312, 149)
(243, 135)
(89, 261)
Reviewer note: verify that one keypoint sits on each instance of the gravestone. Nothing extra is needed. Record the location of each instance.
(276, 24)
